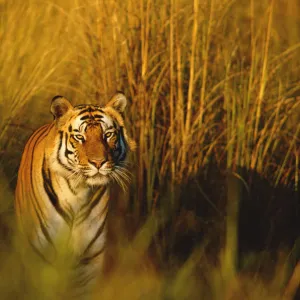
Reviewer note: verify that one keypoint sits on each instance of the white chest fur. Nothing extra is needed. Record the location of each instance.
(77, 218)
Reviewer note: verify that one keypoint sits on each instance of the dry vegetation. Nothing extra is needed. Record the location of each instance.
(211, 84)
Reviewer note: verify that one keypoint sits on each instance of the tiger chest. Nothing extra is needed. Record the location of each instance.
(80, 221)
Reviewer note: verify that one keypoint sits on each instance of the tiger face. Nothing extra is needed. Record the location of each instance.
(92, 144)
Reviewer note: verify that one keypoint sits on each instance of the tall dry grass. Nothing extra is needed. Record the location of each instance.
(206, 81)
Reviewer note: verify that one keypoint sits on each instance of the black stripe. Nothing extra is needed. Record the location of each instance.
(60, 139)
(83, 123)
(45, 232)
(92, 206)
(37, 236)
(70, 128)
(34, 198)
(95, 203)
(81, 282)
(43, 129)
(52, 195)
(98, 233)
(71, 211)
(98, 116)
(40, 216)
(88, 259)
(85, 117)
(73, 145)
(83, 111)
(38, 252)
(57, 155)
(89, 109)
(35, 203)
(70, 187)
(67, 151)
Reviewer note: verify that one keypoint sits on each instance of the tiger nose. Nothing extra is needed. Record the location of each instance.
(98, 163)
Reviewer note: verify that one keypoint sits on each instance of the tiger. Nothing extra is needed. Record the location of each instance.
(65, 178)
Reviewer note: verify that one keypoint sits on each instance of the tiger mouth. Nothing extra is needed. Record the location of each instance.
(104, 172)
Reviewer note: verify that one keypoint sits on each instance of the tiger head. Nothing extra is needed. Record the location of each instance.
(92, 141)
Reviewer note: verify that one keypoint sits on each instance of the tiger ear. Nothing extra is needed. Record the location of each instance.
(118, 102)
(59, 106)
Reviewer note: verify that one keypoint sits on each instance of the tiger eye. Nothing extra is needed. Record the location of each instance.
(79, 137)
(109, 134)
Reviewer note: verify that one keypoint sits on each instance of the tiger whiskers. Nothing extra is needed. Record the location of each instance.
(119, 181)
(76, 177)
(79, 179)
(125, 164)
(121, 176)
(73, 176)
(124, 173)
